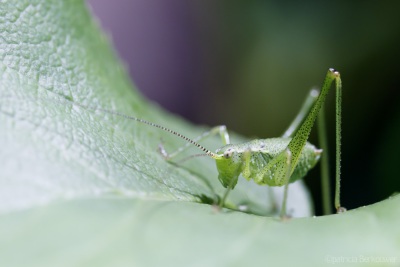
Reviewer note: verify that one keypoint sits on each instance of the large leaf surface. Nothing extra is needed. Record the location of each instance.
(80, 187)
(123, 232)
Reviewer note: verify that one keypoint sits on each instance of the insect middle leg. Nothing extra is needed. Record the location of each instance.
(279, 169)
(304, 110)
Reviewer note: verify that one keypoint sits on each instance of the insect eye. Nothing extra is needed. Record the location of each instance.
(228, 153)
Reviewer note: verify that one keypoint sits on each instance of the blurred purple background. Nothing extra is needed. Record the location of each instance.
(160, 45)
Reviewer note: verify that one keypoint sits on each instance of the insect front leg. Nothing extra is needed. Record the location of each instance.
(221, 130)
(245, 170)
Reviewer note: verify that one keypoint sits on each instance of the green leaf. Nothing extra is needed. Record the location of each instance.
(126, 232)
(80, 187)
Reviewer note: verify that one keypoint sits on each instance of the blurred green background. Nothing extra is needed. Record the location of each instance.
(250, 64)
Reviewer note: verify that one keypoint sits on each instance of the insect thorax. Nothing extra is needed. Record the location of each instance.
(251, 159)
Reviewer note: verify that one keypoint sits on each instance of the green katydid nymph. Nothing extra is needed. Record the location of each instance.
(274, 161)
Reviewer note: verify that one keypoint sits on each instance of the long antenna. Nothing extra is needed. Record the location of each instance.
(208, 152)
